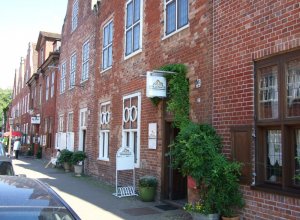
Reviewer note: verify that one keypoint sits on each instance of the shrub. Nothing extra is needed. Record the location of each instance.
(148, 181)
(78, 157)
(65, 156)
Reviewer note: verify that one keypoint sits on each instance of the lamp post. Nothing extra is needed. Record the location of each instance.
(11, 122)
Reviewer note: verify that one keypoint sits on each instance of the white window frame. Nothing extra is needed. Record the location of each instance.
(75, 11)
(47, 87)
(82, 125)
(69, 119)
(104, 134)
(52, 83)
(132, 131)
(176, 19)
(61, 123)
(63, 77)
(108, 46)
(73, 63)
(85, 61)
(140, 22)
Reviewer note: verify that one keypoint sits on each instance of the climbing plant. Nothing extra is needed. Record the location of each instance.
(178, 94)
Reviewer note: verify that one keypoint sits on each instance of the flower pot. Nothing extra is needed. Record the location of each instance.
(147, 194)
(199, 216)
(78, 170)
(231, 218)
(66, 167)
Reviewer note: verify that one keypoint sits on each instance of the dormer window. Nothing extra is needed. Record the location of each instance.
(75, 15)
(42, 57)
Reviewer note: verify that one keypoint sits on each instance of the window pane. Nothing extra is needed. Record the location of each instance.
(136, 10)
(171, 17)
(182, 13)
(136, 37)
(105, 38)
(129, 15)
(110, 32)
(268, 92)
(297, 158)
(110, 56)
(293, 88)
(105, 58)
(128, 42)
(274, 156)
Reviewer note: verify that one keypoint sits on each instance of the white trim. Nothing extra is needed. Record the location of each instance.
(176, 20)
(103, 71)
(109, 44)
(141, 30)
(104, 147)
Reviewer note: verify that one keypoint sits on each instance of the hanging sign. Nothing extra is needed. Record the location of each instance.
(36, 120)
(125, 159)
(156, 86)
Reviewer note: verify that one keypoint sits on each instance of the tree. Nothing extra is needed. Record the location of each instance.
(5, 99)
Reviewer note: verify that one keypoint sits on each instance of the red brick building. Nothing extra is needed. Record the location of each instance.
(256, 100)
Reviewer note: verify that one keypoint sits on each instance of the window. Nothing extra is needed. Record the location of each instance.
(85, 61)
(52, 83)
(278, 121)
(107, 46)
(61, 123)
(63, 78)
(75, 15)
(105, 113)
(133, 29)
(176, 16)
(72, 70)
(41, 93)
(47, 87)
(131, 124)
(42, 56)
(70, 122)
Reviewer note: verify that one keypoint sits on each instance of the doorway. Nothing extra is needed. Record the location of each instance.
(175, 185)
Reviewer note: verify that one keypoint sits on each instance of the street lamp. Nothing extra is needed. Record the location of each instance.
(11, 122)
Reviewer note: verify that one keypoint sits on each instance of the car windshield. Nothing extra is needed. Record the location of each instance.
(34, 213)
(6, 168)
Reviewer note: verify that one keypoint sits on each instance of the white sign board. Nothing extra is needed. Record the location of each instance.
(125, 159)
(36, 120)
(156, 86)
(152, 135)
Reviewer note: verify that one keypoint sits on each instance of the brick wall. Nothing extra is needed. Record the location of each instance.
(245, 31)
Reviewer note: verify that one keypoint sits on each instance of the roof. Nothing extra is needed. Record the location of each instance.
(48, 36)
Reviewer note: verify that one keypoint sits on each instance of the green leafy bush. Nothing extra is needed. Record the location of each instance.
(148, 181)
(65, 156)
(77, 157)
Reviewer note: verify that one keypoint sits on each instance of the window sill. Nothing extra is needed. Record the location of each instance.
(105, 70)
(175, 32)
(132, 54)
(103, 159)
(277, 190)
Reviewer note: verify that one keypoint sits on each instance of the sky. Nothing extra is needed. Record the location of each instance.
(20, 23)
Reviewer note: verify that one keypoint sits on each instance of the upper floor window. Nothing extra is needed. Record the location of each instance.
(47, 87)
(133, 29)
(42, 56)
(52, 83)
(176, 16)
(73, 61)
(85, 61)
(63, 78)
(61, 123)
(70, 122)
(278, 121)
(107, 46)
(75, 15)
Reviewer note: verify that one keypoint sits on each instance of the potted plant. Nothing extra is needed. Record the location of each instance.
(196, 152)
(147, 188)
(65, 159)
(77, 159)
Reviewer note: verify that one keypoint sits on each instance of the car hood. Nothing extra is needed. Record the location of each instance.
(25, 192)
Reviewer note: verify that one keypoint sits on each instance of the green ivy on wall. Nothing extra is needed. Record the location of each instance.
(178, 94)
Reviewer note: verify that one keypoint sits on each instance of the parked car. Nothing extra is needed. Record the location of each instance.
(6, 166)
(27, 199)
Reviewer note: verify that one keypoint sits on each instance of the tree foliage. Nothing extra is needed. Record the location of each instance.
(5, 99)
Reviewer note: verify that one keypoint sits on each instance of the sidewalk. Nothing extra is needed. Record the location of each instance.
(93, 200)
